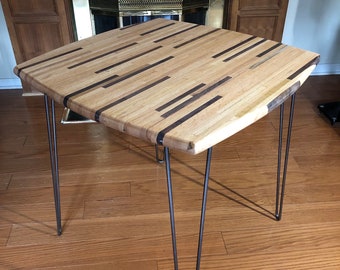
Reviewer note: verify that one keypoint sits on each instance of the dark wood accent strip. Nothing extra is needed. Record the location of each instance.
(269, 50)
(127, 97)
(196, 38)
(113, 80)
(177, 33)
(315, 61)
(180, 97)
(233, 47)
(128, 59)
(180, 121)
(245, 50)
(195, 97)
(48, 59)
(102, 55)
(265, 59)
(138, 71)
(283, 96)
(97, 84)
(156, 29)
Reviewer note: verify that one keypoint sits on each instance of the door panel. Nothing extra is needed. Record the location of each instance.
(37, 26)
(259, 4)
(38, 45)
(33, 7)
(263, 18)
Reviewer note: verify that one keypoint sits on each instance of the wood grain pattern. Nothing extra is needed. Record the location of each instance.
(104, 230)
(180, 85)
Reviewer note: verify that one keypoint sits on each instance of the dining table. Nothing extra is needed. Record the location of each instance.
(177, 85)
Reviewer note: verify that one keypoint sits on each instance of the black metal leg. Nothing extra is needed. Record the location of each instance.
(204, 204)
(171, 206)
(282, 180)
(159, 160)
(52, 141)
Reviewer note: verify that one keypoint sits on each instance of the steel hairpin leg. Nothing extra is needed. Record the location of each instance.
(159, 160)
(171, 207)
(204, 204)
(279, 197)
(52, 141)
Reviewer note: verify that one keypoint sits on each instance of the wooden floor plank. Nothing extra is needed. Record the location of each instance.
(115, 205)
(305, 259)
(124, 249)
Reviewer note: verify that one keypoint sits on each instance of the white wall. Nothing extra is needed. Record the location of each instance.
(8, 80)
(83, 19)
(315, 25)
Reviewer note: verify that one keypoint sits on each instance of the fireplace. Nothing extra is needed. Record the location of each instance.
(108, 14)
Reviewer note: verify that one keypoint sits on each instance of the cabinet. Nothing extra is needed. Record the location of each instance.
(263, 18)
(37, 26)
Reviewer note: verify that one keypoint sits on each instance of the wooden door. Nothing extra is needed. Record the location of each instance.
(37, 26)
(263, 18)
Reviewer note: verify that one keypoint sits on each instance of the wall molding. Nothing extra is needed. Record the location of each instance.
(10, 84)
(327, 69)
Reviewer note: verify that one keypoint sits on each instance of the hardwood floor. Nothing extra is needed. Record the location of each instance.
(114, 197)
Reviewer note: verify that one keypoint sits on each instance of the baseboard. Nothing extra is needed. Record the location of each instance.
(10, 84)
(327, 69)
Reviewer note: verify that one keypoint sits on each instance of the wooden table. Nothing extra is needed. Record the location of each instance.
(174, 84)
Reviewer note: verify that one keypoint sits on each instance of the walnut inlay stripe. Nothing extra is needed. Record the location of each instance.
(180, 121)
(138, 71)
(234, 47)
(50, 58)
(269, 50)
(127, 97)
(192, 90)
(102, 55)
(283, 96)
(196, 38)
(195, 97)
(87, 88)
(245, 50)
(177, 33)
(154, 30)
(315, 61)
(265, 59)
(128, 59)
(113, 80)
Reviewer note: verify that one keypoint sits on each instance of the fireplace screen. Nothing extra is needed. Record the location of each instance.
(179, 5)
(110, 14)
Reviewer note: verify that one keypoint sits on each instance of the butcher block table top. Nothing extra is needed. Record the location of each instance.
(181, 85)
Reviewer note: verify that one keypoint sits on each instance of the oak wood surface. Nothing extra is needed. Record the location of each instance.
(114, 198)
(185, 86)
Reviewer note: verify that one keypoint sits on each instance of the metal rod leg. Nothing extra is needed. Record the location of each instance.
(204, 204)
(159, 160)
(279, 196)
(52, 141)
(171, 206)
